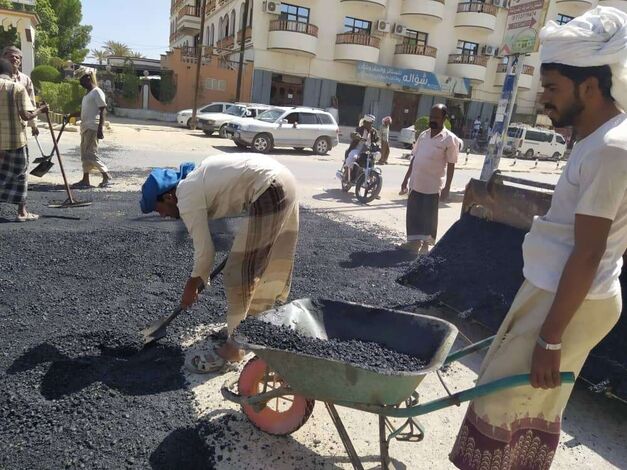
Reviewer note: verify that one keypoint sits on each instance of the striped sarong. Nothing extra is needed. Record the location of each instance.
(13, 177)
(258, 272)
(519, 428)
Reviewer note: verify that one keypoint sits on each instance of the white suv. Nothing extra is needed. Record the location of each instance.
(184, 117)
(294, 127)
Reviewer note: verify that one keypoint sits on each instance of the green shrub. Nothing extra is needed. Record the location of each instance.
(422, 124)
(64, 97)
(45, 73)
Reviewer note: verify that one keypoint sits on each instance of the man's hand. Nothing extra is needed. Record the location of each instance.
(190, 293)
(35, 131)
(545, 368)
(444, 194)
(403, 187)
(100, 134)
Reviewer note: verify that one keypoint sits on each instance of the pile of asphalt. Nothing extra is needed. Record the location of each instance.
(363, 354)
(76, 388)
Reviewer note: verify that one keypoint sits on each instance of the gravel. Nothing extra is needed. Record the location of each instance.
(363, 354)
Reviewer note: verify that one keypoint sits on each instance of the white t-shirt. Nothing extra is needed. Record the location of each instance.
(431, 157)
(90, 109)
(594, 183)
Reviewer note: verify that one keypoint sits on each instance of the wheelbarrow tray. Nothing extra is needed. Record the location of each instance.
(423, 336)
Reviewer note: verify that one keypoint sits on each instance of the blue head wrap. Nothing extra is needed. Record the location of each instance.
(160, 181)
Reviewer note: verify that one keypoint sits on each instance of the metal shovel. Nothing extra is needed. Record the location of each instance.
(157, 330)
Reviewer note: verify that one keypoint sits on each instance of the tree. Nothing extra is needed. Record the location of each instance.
(99, 55)
(66, 37)
(118, 49)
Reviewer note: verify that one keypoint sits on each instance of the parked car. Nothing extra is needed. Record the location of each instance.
(218, 121)
(532, 142)
(184, 117)
(235, 122)
(407, 137)
(298, 127)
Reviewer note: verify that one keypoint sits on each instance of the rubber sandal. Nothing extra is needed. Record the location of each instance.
(105, 184)
(81, 185)
(29, 217)
(205, 363)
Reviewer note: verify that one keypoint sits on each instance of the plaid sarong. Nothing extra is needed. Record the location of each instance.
(258, 272)
(13, 178)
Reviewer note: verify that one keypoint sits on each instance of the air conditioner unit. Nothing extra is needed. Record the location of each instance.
(501, 3)
(400, 30)
(490, 50)
(383, 26)
(274, 8)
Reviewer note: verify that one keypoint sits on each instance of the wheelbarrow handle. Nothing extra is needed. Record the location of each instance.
(456, 398)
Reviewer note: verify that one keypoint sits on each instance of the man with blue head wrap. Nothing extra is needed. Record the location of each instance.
(259, 268)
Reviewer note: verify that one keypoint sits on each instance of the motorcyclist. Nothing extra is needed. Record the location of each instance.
(362, 138)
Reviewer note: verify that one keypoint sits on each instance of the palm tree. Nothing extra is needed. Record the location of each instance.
(118, 49)
(100, 55)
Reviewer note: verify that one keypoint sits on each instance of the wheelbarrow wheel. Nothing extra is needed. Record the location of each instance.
(280, 416)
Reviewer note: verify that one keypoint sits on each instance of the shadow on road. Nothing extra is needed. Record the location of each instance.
(381, 259)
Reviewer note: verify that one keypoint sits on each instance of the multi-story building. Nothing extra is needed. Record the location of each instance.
(24, 21)
(371, 55)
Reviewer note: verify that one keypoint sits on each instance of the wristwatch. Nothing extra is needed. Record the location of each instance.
(548, 346)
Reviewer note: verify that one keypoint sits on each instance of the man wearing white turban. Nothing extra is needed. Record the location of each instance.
(571, 297)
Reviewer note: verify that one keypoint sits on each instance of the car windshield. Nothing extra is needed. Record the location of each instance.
(235, 110)
(271, 115)
(514, 132)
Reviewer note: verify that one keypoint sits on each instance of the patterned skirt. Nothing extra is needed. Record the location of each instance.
(13, 177)
(258, 272)
(519, 428)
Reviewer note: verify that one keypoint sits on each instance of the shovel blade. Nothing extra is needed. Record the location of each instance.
(41, 169)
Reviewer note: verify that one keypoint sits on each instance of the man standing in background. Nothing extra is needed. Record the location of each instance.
(14, 56)
(385, 140)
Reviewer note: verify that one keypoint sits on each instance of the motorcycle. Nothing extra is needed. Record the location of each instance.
(365, 175)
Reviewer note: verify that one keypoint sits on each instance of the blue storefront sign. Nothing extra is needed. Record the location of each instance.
(414, 79)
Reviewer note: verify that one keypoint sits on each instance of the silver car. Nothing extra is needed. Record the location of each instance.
(298, 127)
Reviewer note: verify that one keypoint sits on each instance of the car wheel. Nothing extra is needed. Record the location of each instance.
(557, 156)
(189, 123)
(262, 143)
(529, 153)
(321, 146)
(222, 131)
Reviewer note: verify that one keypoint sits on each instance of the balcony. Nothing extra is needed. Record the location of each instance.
(368, 3)
(476, 17)
(468, 66)
(188, 20)
(296, 37)
(353, 47)
(524, 81)
(224, 45)
(427, 9)
(412, 56)
(248, 35)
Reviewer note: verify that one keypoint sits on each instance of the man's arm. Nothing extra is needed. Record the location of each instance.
(450, 170)
(31, 94)
(101, 123)
(590, 243)
(204, 254)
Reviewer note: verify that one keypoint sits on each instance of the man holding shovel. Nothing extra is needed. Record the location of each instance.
(258, 272)
(92, 116)
(16, 108)
(14, 55)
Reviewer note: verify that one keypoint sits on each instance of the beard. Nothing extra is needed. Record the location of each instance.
(434, 125)
(568, 116)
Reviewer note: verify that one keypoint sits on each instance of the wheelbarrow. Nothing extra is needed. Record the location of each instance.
(277, 389)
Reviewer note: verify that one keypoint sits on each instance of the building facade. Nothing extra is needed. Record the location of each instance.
(385, 57)
(24, 23)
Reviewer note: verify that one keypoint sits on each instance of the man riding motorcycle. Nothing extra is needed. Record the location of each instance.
(361, 139)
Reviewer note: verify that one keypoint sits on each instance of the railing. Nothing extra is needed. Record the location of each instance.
(416, 49)
(226, 43)
(247, 35)
(527, 69)
(294, 26)
(477, 7)
(469, 59)
(189, 10)
(361, 39)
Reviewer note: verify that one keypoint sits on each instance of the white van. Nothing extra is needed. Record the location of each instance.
(532, 142)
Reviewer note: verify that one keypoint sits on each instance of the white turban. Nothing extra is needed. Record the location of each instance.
(82, 71)
(598, 37)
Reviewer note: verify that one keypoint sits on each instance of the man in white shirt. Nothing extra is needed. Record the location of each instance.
(434, 156)
(571, 296)
(258, 272)
(92, 116)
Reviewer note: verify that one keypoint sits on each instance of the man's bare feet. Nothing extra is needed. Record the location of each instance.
(230, 352)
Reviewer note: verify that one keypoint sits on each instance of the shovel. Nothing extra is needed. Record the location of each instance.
(45, 161)
(157, 330)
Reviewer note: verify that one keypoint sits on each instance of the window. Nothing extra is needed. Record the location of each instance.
(271, 115)
(560, 139)
(325, 119)
(236, 110)
(214, 84)
(307, 118)
(213, 108)
(467, 48)
(415, 38)
(563, 19)
(355, 25)
(538, 136)
(294, 13)
(514, 132)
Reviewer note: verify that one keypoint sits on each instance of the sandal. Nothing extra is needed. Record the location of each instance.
(105, 184)
(81, 185)
(29, 217)
(205, 363)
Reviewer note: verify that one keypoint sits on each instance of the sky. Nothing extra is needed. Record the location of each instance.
(143, 25)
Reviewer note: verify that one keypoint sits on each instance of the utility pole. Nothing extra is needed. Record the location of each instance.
(503, 116)
(203, 8)
(242, 50)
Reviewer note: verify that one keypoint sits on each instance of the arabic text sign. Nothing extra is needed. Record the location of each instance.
(409, 78)
(524, 20)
